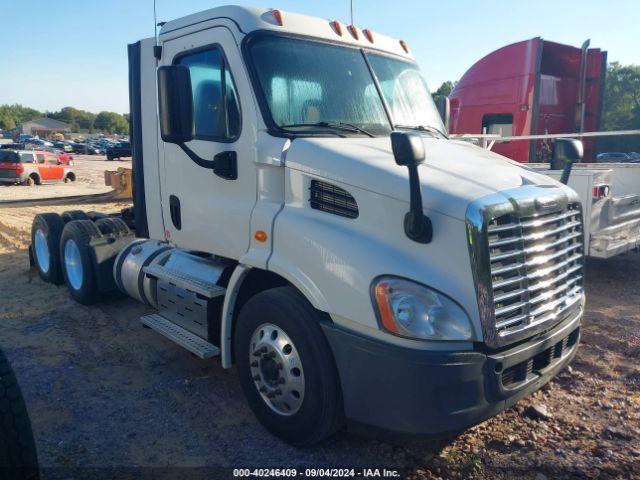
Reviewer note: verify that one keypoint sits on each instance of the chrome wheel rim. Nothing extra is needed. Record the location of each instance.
(73, 264)
(276, 369)
(42, 251)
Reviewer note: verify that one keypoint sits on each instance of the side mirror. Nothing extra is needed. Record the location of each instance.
(175, 104)
(443, 104)
(408, 150)
(566, 151)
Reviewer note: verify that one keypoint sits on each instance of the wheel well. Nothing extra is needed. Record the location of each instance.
(71, 176)
(256, 281)
(35, 176)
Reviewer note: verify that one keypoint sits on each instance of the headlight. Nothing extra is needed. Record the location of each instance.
(412, 310)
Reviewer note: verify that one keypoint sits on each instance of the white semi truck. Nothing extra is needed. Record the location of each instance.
(300, 212)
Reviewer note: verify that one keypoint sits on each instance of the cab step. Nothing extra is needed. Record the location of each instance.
(181, 336)
(186, 281)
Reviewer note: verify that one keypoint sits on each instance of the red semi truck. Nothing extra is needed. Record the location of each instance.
(530, 88)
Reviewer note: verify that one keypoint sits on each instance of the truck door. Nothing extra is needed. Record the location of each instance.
(202, 210)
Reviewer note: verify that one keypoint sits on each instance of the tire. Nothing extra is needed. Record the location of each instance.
(112, 225)
(31, 181)
(18, 456)
(69, 177)
(46, 246)
(75, 259)
(316, 412)
(74, 215)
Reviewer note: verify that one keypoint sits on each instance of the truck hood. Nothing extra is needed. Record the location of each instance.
(453, 174)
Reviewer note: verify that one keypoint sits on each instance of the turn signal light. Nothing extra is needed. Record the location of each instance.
(386, 315)
(336, 27)
(353, 31)
(404, 46)
(260, 236)
(368, 35)
(19, 169)
(277, 14)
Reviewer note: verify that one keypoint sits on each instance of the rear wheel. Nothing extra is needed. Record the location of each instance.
(75, 258)
(70, 215)
(18, 456)
(112, 225)
(45, 241)
(286, 368)
(31, 180)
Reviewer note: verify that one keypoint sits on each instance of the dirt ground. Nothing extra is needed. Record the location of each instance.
(89, 170)
(108, 398)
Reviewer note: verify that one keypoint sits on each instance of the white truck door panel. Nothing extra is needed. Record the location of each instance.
(214, 212)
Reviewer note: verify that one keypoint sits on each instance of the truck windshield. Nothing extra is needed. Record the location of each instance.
(312, 87)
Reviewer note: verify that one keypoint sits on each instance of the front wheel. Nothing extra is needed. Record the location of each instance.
(286, 368)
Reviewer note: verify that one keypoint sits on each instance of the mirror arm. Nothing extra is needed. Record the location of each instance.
(566, 173)
(417, 226)
(198, 160)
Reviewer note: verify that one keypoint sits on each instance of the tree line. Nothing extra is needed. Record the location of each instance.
(12, 116)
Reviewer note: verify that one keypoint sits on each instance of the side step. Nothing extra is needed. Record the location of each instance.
(186, 281)
(181, 336)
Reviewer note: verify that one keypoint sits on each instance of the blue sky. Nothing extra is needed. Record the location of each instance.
(73, 52)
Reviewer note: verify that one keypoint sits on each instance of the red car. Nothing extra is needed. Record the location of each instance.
(64, 157)
(33, 167)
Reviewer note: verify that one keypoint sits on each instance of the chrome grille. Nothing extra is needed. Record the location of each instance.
(536, 265)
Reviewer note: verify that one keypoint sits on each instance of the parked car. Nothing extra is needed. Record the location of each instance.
(33, 168)
(119, 150)
(65, 158)
(612, 157)
(87, 148)
(38, 142)
(64, 146)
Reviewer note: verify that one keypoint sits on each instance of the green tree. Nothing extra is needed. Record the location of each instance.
(444, 90)
(621, 107)
(111, 122)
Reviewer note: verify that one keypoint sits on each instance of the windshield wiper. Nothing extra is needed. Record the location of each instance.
(347, 127)
(422, 128)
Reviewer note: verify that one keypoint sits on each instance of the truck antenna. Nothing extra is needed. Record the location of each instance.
(351, 5)
(157, 50)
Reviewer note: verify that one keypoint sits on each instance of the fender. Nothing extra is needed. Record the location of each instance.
(228, 309)
(304, 285)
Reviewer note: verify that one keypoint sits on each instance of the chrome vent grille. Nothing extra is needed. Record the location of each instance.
(332, 199)
(536, 267)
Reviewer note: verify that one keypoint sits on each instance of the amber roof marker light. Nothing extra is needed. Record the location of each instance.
(368, 35)
(335, 25)
(353, 31)
(277, 14)
(404, 46)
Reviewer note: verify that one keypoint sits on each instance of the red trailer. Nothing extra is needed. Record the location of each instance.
(529, 88)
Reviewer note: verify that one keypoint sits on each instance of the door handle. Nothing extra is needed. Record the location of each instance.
(174, 210)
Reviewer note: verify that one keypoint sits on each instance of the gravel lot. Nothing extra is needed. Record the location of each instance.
(106, 395)
(89, 171)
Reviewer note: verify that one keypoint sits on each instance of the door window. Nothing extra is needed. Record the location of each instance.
(26, 157)
(52, 160)
(40, 157)
(498, 124)
(215, 104)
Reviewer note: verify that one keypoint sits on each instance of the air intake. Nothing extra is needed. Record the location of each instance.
(332, 199)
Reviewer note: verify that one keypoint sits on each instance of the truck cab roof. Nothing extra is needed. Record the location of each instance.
(251, 19)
